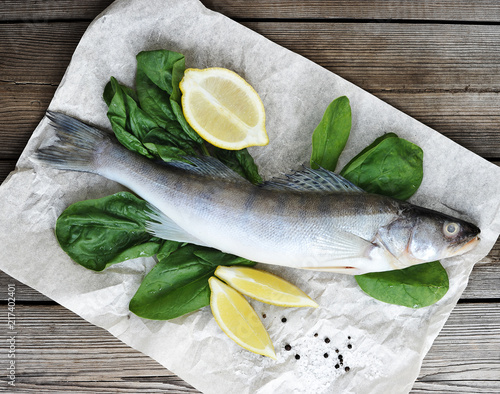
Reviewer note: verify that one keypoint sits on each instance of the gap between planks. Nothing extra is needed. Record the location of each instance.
(57, 349)
(438, 11)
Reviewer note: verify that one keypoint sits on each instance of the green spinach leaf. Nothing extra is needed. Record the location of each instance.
(167, 146)
(241, 162)
(415, 287)
(390, 166)
(158, 66)
(105, 231)
(178, 284)
(331, 134)
(158, 76)
(130, 124)
(153, 100)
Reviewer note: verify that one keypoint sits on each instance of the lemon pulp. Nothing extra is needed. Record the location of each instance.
(223, 108)
(236, 317)
(264, 286)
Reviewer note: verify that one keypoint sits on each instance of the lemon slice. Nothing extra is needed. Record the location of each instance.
(238, 320)
(223, 108)
(264, 286)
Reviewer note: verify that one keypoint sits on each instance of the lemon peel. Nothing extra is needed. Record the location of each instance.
(239, 321)
(264, 286)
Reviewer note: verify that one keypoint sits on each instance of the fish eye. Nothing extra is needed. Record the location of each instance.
(450, 229)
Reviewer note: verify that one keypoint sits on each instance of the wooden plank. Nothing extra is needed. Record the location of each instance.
(465, 358)
(37, 11)
(58, 351)
(484, 281)
(470, 119)
(439, 10)
(22, 106)
(377, 57)
(6, 166)
(24, 293)
(403, 57)
(37, 53)
(468, 115)
(460, 10)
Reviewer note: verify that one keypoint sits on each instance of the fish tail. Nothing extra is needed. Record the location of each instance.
(77, 148)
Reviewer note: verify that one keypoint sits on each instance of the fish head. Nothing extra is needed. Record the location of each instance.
(422, 235)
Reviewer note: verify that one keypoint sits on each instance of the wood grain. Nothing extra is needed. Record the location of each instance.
(457, 94)
(465, 358)
(439, 10)
(378, 57)
(6, 166)
(24, 105)
(48, 10)
(393, 56)
(57, 350)
(37, 53)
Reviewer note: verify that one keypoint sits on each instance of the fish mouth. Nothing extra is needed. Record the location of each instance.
(469, 245)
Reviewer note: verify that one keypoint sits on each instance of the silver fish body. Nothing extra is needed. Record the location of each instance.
(314, 220)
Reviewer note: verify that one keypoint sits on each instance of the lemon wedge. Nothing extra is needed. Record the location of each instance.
(223, 108)
(264, 286)
(238, 320)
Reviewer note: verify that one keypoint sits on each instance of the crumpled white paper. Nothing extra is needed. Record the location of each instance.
(387, 342)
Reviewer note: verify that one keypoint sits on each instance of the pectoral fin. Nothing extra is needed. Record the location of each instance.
(339, 245)
(162, 226)
(346, 253)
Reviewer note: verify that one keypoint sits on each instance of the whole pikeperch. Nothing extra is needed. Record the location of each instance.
(314, 219)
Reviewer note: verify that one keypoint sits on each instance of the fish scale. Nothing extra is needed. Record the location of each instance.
(312, 219)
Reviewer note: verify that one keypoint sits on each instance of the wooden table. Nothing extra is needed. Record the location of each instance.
(438, 61)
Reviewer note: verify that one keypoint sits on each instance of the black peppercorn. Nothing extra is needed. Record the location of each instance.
(325, 355)
(297, 357)
(327, 340)
(288, 347)
(349, 346)
(283, 320)
(347, 369)
(337, 366)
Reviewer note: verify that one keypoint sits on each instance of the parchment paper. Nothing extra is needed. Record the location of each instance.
(387, 342)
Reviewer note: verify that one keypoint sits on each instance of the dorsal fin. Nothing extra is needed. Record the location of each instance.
(317, 181)
(207, 166)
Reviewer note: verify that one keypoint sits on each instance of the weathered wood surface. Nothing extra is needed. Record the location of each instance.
(402, 57)
(59, 351)
(438, 10)
(438, 61)
(425, 70)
